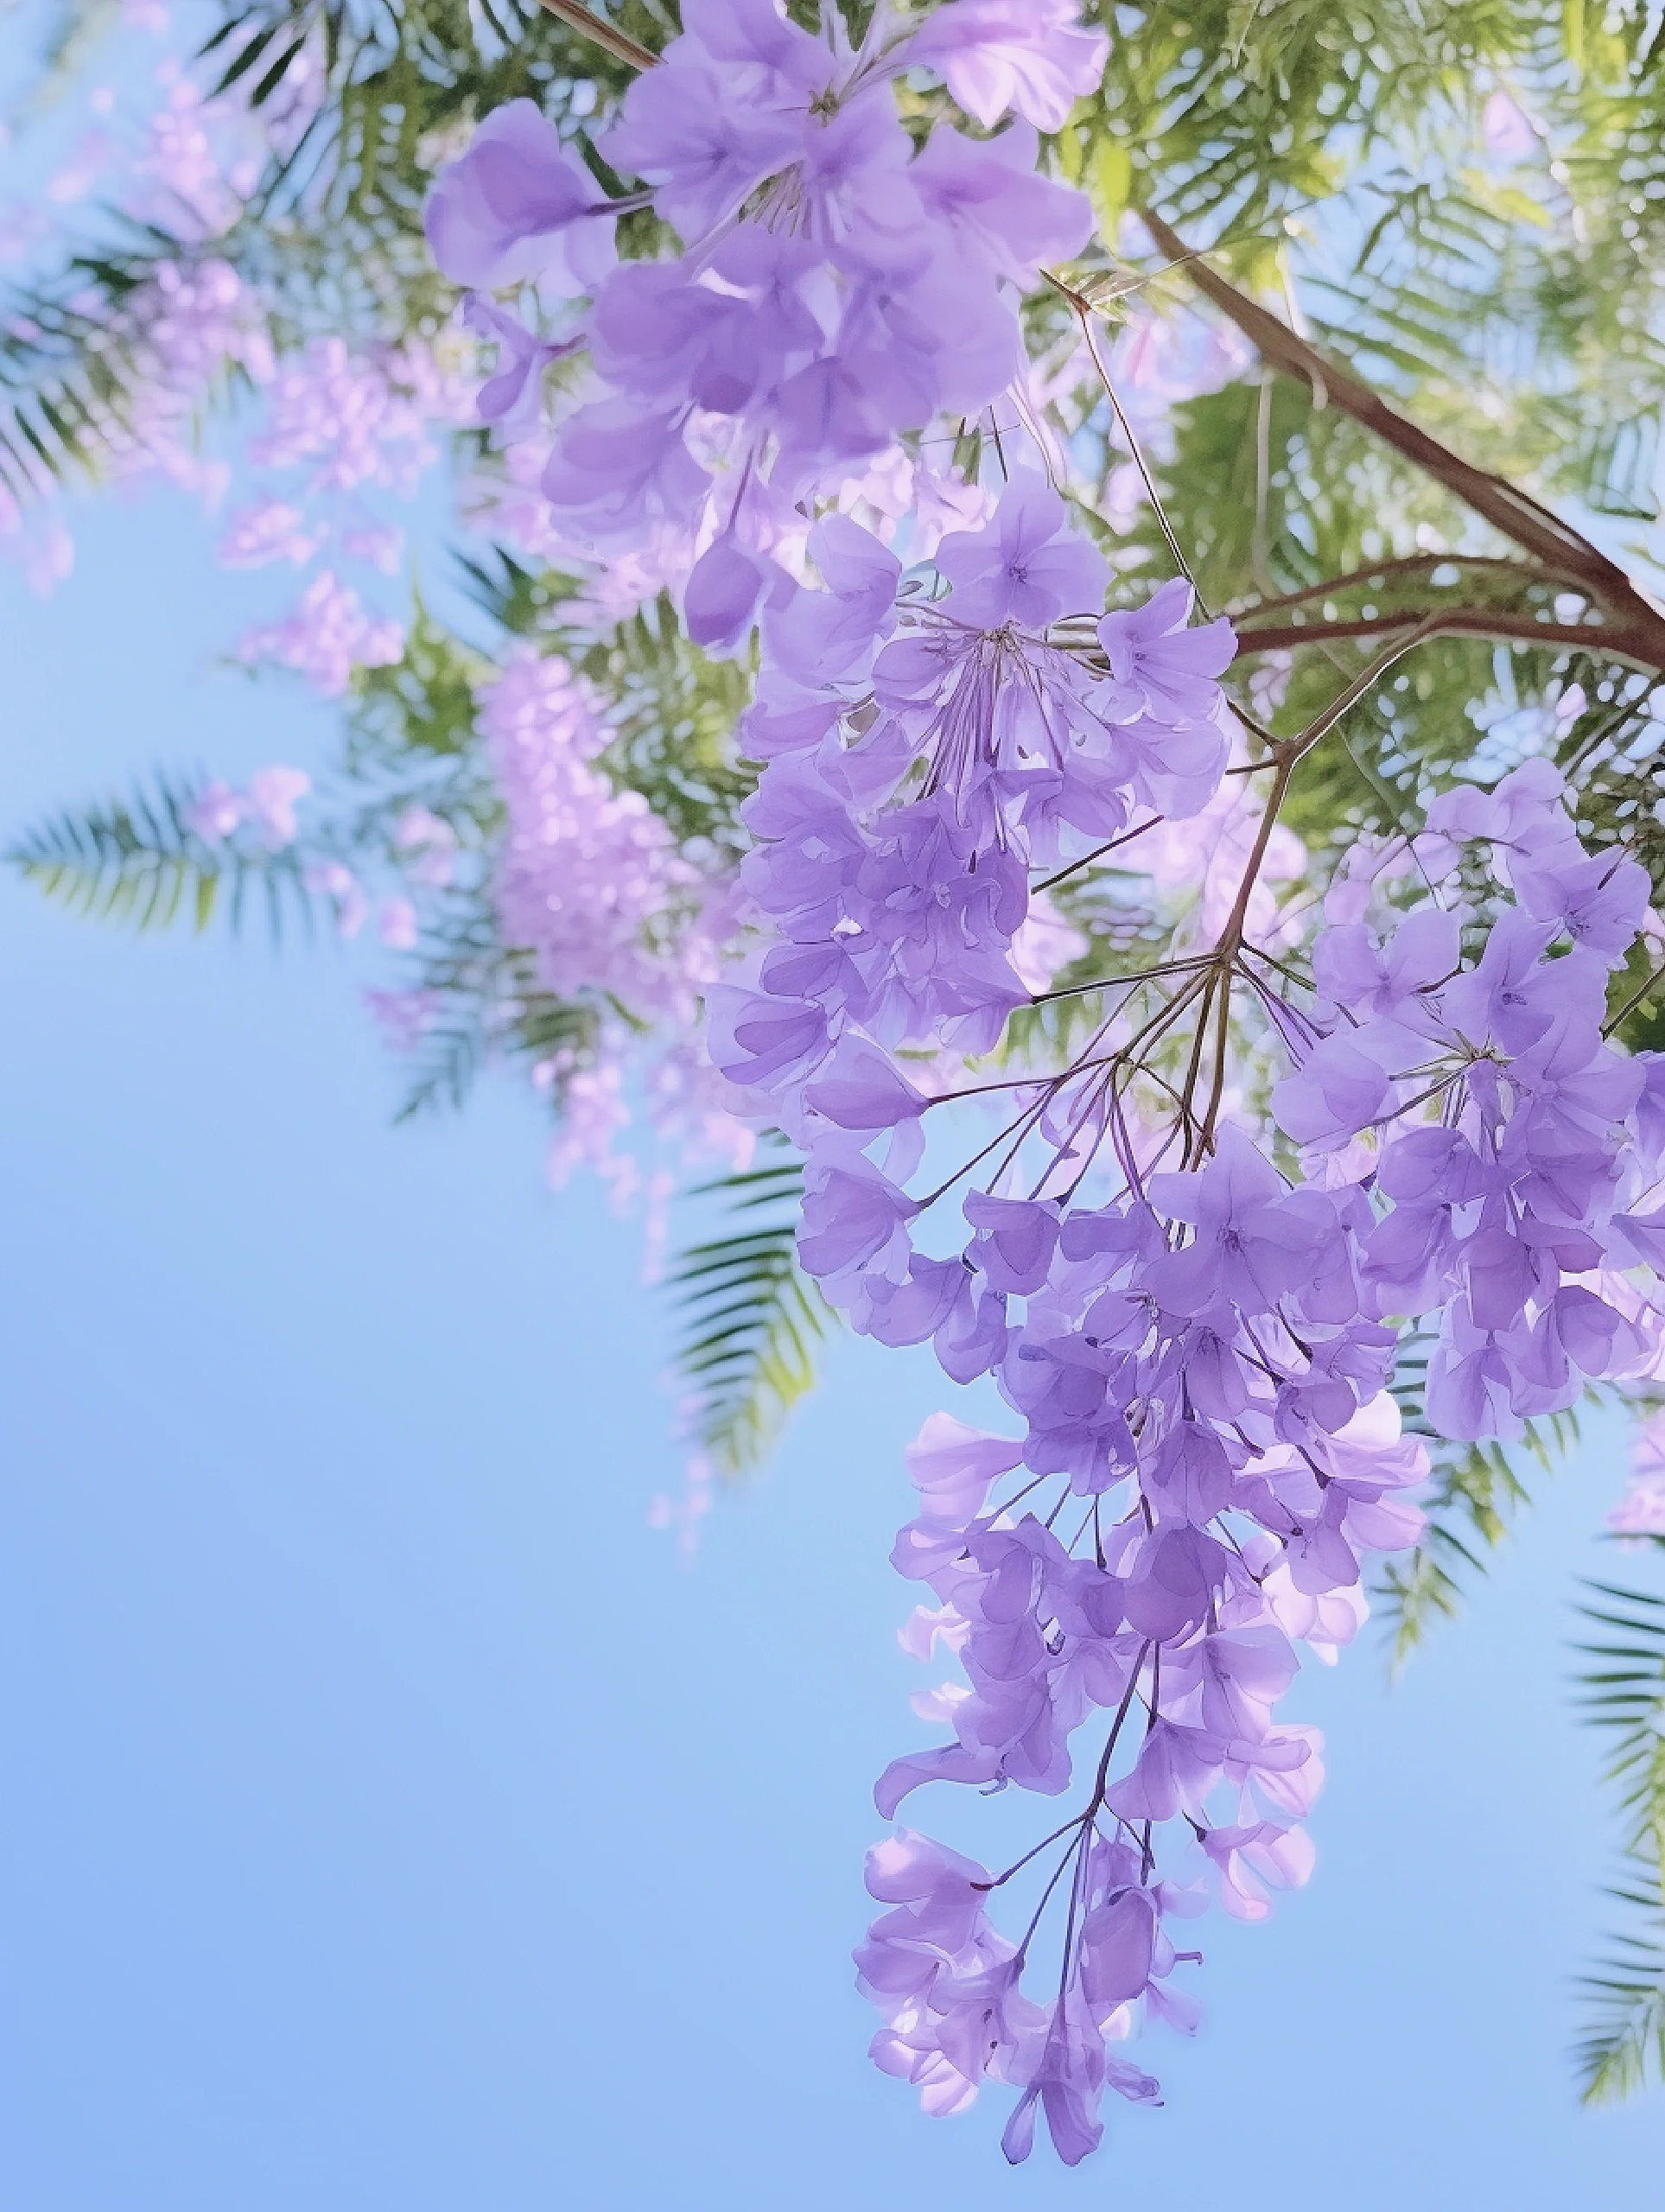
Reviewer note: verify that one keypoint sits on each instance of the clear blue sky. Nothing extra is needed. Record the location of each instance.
(388, 1825)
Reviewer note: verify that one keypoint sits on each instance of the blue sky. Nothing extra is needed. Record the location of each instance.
(389, 1823)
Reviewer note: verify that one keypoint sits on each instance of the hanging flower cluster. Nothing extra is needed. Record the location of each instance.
(1200, 1347)
(836, 287)
(1190, 1297)
(1536, 1154)
(1184, 1336)
(589, 881)
(1192, 1306)
(1189, 1279)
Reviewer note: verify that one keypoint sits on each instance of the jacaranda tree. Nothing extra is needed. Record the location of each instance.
(1049, 682)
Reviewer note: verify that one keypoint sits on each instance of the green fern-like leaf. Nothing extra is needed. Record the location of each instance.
(138, 863)
(1625, 2049)
(754, 1323)
(1475, 1495)
(1623, 1691)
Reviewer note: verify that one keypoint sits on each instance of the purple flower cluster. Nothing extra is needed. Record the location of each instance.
(1519, 1153)
(923, 752)
(838, 285)
(327, 634)
(260, 819)
(1208, 1427)
(1202, 1364)
(267, 804)
(1198, 1345)
(586, 873)
(588, 880)
(1189, 1348)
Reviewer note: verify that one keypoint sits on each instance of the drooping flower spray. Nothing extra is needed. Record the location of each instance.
(1191, 1293)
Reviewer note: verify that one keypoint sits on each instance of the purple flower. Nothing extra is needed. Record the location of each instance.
(908, 1312)
(1066, 2089)
(1601, 898)
(583, 872)
(937, 1885)
(1176, 1768)
(1523, 815)
(1249, 1857)
(756, 1039)
(1118, 1949)
(326, 637)
(1188, 1477)
(1164, 668)
(397, 924)
(1026, 567)
(1253, 1242)
(1174, 767)
(721, 594)
(1027, 57)
(853, 1217)
(618, 469)
(512, 397)
(972, 1340)
(826, 637)
(1016, 1241)
(1337, 1091)
(341, 887)
(271, 529)
(988, 197)
(1512, 994)
(952, 1465)
(216, 813)
(783, 62)
(1391, 980)
(698, 131)
(1409, 1261)
(517, 204)
(1179, 1573)
(1245, 1672)
(1469, 1387)
(658, 333)
(853, 178)
(859, 1089)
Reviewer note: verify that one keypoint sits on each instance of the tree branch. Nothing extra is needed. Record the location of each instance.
(1411, 564)
(1553, 543)
(1496, 624)
(619, 44)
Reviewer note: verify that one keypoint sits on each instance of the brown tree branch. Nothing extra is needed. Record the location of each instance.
(1556, 543)
(619, 44)
(1412, 564)
(1495, 624)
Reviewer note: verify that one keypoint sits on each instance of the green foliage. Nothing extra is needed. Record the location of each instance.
(400, 81)
(422, 704)
(136, 862)
(674, 708)
(71, 358)
(1470, 1503)
(1294, 511)
(519, 599)
(1623, 1694)
(1231, 113)
(754, 1323)
(483, 1001)
(675, 712)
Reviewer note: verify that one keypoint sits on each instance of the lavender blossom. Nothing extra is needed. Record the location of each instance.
(518, 204)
